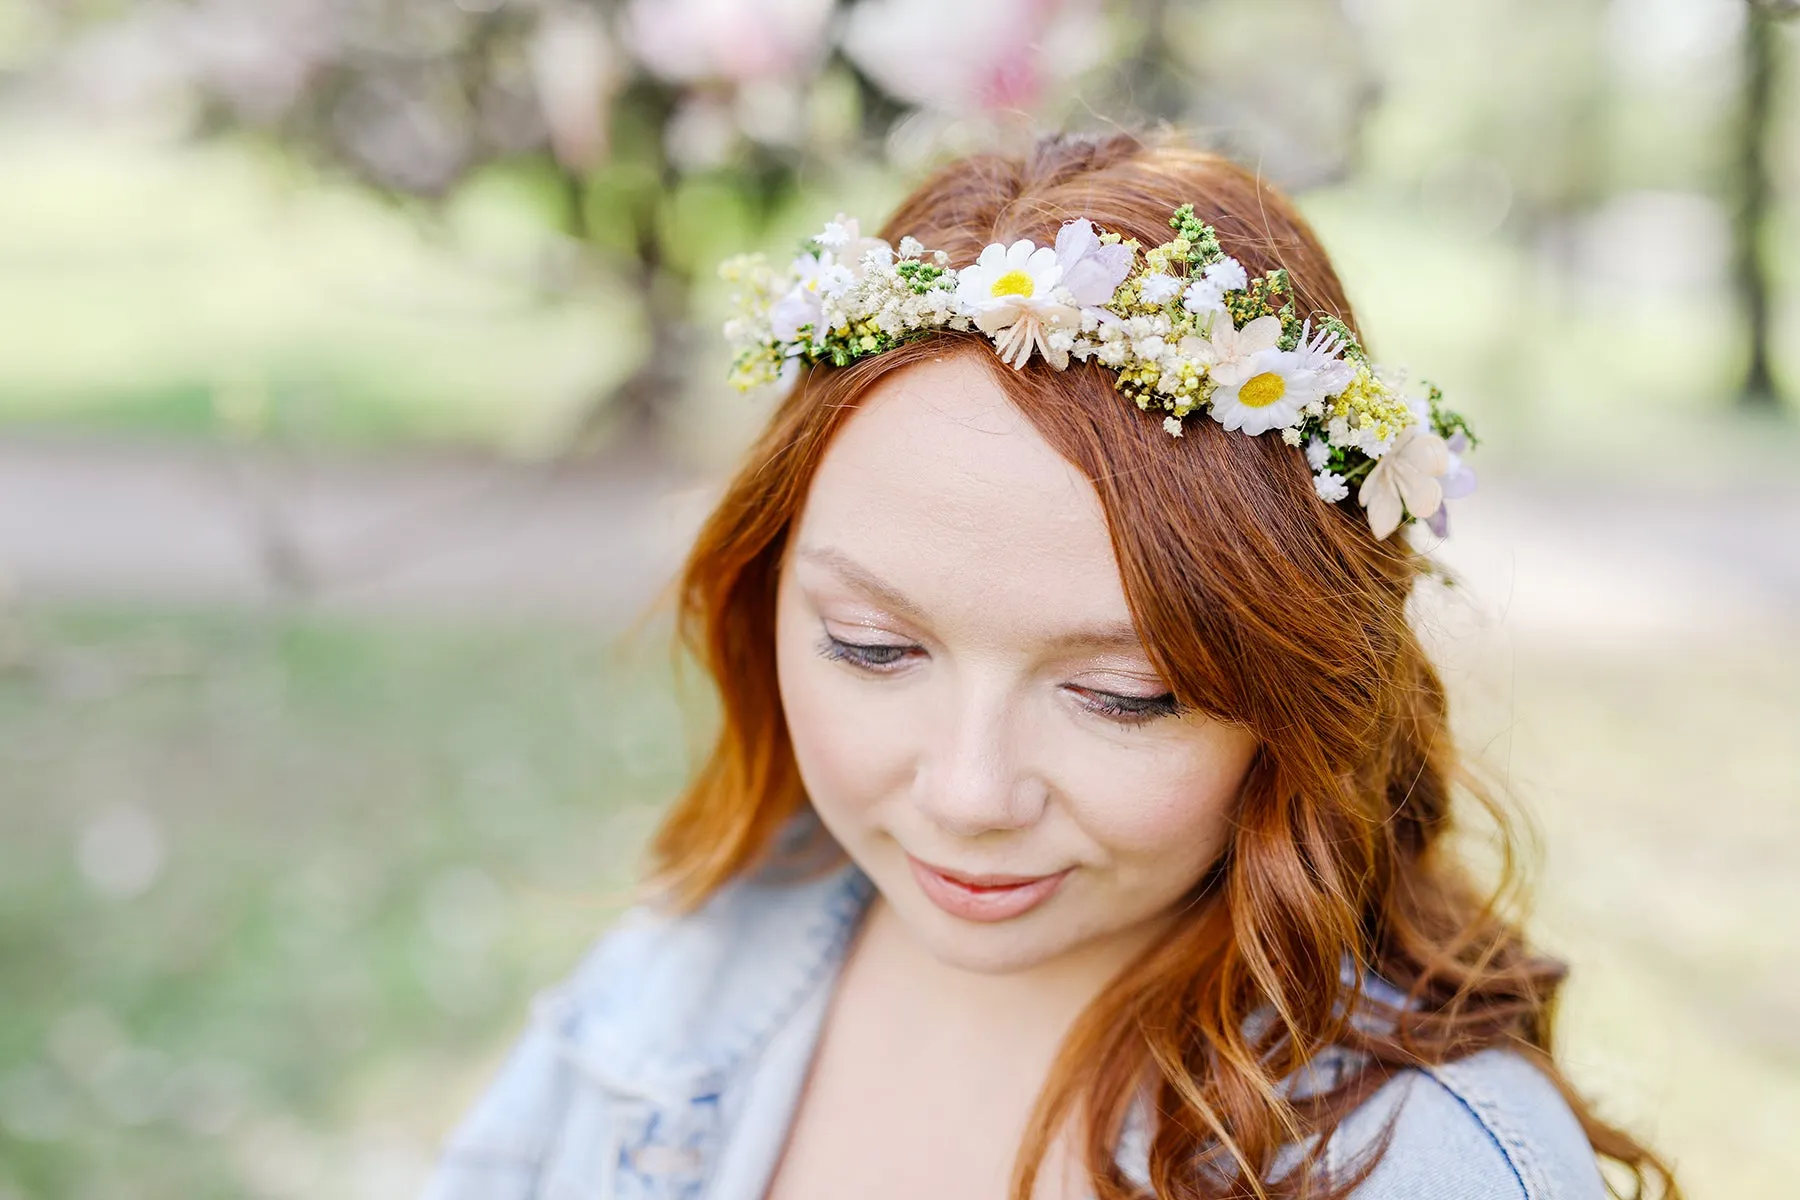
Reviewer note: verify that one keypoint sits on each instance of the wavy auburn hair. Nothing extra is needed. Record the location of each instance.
(1261, 604)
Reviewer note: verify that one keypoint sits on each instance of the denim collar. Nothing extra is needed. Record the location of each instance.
(707, 990)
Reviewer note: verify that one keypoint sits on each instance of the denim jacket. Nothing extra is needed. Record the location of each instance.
(669, 1066)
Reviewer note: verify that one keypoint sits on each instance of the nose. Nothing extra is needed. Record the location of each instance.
(974, 778)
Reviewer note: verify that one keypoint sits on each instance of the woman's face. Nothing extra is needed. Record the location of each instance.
(965, 690)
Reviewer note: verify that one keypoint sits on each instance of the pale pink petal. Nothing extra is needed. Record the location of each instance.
(1094, 279)
(1378, 496)
(1422, 493)
(1459, 482)
(1423, 452)
(1001, 316)
(1074, 240)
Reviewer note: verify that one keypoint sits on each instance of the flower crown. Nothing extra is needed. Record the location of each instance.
(1187, 330)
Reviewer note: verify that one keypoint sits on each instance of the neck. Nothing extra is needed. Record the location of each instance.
(1032, 1006)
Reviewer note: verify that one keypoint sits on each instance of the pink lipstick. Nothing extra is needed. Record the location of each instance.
(984, 897)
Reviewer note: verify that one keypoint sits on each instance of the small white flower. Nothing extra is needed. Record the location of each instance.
(1207, 294)
(837, 234)
(1158, 288)
(1330, 486)
(1318, 453)
(1151, 348)
(836, 279)
(1227, 274)
(1172, 426)
(1291, 435)
(1202, 297)
(911, 247)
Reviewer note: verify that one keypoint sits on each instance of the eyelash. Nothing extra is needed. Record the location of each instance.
(1123, 710)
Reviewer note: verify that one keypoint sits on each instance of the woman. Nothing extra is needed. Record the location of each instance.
(1077, 820)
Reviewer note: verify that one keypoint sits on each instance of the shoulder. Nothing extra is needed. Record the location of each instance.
(1487, 1127)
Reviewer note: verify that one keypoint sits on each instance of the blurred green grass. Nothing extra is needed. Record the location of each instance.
(275, 889)
(271, 887)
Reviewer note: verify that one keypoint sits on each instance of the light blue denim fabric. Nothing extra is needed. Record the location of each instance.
(669, 1065)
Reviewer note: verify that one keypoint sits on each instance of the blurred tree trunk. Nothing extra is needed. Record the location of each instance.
(633, 416)
(1755, 210)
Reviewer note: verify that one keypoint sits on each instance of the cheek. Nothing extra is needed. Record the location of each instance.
(850, 751)
(1165, 812)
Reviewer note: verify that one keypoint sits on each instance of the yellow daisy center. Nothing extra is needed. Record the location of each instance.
(1260, 391)
(1013, 283)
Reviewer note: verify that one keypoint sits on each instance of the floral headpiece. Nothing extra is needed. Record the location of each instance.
(1187, 330)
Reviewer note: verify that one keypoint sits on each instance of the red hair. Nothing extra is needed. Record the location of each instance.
(1261, 604)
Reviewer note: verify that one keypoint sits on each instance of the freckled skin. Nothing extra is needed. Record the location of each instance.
(976, 744)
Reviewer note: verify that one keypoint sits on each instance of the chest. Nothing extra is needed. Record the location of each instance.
(893, 1109)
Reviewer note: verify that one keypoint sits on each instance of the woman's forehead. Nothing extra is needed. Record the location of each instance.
(940, 487)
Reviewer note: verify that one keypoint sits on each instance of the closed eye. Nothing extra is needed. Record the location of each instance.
(1128, 710)
(869, 657)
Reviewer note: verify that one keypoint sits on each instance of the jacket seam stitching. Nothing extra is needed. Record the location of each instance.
(1485, 1122)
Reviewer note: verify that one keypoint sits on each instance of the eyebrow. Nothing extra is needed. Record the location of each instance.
(1104, 637)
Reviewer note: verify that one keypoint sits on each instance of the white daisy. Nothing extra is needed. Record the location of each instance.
(1270, 388)
(1011, 292)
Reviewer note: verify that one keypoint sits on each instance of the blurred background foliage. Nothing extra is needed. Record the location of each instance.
(279, 874)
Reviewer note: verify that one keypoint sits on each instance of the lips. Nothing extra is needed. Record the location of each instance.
(984, 897)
